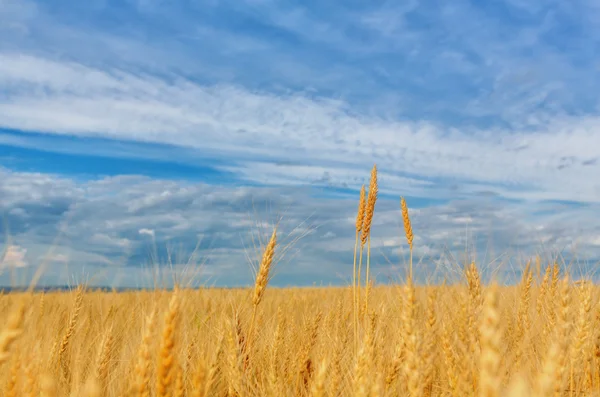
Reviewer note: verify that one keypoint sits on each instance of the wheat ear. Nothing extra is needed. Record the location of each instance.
(142, 368)
(366, 235)
(166, 362)
(408, 232)
(260, 285)
(64, 345)
(491, 342)
(360, 218)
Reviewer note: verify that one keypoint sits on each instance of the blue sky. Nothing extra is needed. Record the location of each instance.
(131, 124)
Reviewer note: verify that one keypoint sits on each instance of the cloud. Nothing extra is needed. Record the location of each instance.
(14, 257)
(461, 61)
(147, 232)
(216, 232)
(316, 134)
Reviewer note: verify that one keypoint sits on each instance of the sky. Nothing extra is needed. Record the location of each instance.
(150, 139)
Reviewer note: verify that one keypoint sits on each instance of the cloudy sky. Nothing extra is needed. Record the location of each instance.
(148, 133)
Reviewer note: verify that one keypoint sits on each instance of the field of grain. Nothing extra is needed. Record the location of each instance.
(538, 338)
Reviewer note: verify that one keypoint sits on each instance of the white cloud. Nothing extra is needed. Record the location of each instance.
(14, 257)
(148, 232)
(90, 230)
(558, 161)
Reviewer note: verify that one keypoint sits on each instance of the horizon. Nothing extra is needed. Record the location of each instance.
(132, 129)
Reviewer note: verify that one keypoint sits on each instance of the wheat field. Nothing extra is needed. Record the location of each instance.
(540, 337)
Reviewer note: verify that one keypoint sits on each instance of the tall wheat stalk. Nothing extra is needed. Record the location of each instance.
(360, 219)
(260, 285)
(409, 235)
(366, 234)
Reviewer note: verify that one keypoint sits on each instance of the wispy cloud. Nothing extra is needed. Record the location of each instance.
(261, 130)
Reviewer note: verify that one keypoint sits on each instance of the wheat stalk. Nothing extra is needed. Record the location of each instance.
(166, 362)
(408, 233)
(366, 232)
(360, 219)
(142, 367)
(12, 331)
(491, 342)
(64, 345)
(260, 285)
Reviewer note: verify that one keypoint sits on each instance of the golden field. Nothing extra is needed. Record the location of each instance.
(538, 338)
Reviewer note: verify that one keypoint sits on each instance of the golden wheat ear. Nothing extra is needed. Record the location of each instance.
(490, 380)
(167, 359)
(262, 279)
